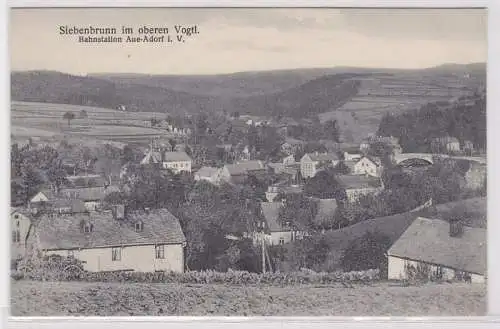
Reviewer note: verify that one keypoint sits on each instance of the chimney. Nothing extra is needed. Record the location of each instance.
(118, 212)
(456, 228)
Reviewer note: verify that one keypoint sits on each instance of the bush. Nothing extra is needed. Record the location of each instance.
(71, 272)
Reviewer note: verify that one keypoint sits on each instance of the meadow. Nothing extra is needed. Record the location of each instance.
(45, 121)
(34, 298)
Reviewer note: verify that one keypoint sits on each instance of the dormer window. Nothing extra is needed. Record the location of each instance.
(139, 226)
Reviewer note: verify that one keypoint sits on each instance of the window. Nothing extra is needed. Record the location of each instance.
(16, 236)
(17, 224)
(116, 254)
(16, 216)
(88, 228)
(160, 252)
(139, 226)
(282, 241)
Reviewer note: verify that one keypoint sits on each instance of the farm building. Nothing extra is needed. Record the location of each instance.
(446, 250)
(177, 162)
(145, 241)
(91, 196)
(209, 174)
(370, 166)
(275, 232)
(357, 185)
(238, 172)
(352, 156)
(312, 162)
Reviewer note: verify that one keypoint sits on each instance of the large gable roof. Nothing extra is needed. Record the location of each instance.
(428, 240)
(64, 231)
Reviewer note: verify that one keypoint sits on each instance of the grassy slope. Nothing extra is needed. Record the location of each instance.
(393, 226)
(135, 299)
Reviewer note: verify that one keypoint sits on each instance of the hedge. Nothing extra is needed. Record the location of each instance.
(67, 269)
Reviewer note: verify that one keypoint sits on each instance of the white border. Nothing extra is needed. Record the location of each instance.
(312, 322)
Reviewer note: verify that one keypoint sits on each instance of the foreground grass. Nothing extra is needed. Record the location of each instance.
(29, 298)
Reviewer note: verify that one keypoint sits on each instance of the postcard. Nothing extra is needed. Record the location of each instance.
(248, 162)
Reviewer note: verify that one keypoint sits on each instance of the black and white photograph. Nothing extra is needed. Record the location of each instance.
(245, 162)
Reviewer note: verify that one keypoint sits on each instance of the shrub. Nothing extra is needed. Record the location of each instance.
(71, 272)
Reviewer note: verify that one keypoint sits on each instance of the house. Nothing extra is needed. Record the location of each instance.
(370, 166)
(209, 174)
(445, 144)
(275, 232)
(273, 191)
(45, 195)
(449, 250)
(237, 173)
(475, 177)
(144, 241)
(468, 147)
(289, 160)
(292, 146)
(91, 196)
(352, 156)
(21, 225)
(177, 162)
(356, 186)
(310, 163)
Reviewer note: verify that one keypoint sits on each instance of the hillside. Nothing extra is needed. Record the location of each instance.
(474, 212)
(356, 97)
(56, 87)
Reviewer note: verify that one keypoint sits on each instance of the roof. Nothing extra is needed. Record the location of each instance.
(64, 232)
(271, 211)
(323, 156)
(91, 193)
(207, 171)
(358, 181)
(241, 168)
(176, 156)
(350, 164)
(376, 161)
(428, 240)
(85, 181)
(48, 193)
(151, 157)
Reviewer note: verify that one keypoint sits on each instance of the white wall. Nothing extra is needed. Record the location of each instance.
(178, 166)
(19, 248)
(397, 270)
(137, 258)
(276, 236)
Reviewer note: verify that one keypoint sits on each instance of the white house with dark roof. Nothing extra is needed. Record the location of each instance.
(311, 163)
(177, 162)
(238, 172)
(370, 166)
(448, 250)
(209, 174)
(144, 241)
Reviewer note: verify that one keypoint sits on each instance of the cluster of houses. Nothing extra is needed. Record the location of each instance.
(70, 221)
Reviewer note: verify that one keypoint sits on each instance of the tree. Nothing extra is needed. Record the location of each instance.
(299, 212)
(83, 114)
(69, 116)
(367, 252)
(331, 130)
(324, 186)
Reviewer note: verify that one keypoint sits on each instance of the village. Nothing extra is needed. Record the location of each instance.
(201, 200)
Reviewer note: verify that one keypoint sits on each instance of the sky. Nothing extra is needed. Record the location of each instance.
(235, 40)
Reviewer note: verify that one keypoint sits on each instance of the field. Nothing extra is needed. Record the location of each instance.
(45, 121)
(30, 298)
